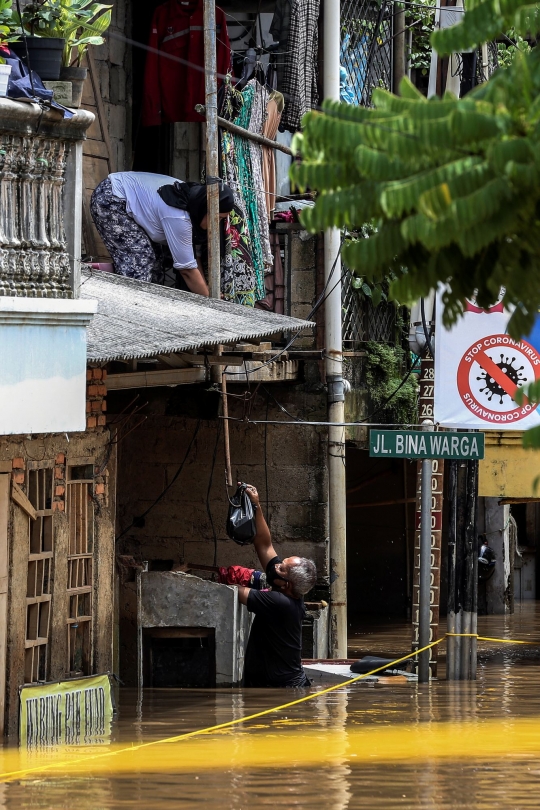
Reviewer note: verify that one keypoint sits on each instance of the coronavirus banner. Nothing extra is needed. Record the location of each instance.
(479, 368)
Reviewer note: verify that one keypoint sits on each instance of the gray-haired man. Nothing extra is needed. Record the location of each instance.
(274, 651)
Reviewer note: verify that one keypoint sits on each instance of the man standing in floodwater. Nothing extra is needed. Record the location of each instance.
(274, 651)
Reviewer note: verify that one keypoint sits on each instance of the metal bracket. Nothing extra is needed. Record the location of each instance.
(336, 391)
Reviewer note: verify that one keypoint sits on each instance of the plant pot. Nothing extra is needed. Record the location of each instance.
(5, 70)
(75, 75)
(45, 55)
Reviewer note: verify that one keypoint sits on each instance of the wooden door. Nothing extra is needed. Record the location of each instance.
(98, 161)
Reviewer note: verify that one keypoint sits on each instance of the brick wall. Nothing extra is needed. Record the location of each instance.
(179, 527)
(96, 403)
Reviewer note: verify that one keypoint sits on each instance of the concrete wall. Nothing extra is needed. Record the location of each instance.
(188, 524)
(180, 600)
(17, 453)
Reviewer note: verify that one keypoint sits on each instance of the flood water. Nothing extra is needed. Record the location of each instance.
(446, 745)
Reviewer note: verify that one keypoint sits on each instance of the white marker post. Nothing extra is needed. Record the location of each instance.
(425, 565)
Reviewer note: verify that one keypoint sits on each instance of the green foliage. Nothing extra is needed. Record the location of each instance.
(512, 45)
(484, 21)
(452, 185)
(80, 22)
(420, 20)
(385, 368)
(7, 26)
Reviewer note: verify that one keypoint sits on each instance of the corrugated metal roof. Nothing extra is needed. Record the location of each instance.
(139, 319)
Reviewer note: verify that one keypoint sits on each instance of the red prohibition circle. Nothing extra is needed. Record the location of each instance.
(475, 353)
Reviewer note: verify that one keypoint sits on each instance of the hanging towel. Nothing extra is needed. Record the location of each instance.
(270, 129)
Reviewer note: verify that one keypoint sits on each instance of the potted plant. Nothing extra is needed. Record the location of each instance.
(83, 23)
(39, 54)
(75, 24)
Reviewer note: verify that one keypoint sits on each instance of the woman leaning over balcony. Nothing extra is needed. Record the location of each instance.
(136, 212)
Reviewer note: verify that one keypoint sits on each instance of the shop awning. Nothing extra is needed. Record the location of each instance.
(136, 319)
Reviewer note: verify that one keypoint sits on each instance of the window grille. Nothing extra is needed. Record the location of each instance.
(361, 321)
(38, 587)
(80, 509)
(366, 46)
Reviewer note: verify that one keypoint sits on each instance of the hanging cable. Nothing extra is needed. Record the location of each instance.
(138, 521)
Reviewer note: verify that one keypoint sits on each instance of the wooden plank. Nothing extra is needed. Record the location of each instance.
(21, 500)
(95, 149)
(98, 101)
(151, 379)
(98, 158)
(4, 568)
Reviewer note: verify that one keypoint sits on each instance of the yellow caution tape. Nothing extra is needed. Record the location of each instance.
(86, 759)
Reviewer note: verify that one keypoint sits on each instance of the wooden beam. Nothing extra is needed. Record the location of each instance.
(245, 133)
(173, 360)
(151, 379)
(503, 501)
(21, 500)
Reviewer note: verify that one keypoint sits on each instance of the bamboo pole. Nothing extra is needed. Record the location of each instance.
(212, 146)
(245, 133)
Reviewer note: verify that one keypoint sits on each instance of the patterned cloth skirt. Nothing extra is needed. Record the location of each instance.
(131, 249)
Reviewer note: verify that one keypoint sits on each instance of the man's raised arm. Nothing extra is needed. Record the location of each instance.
(262, 541)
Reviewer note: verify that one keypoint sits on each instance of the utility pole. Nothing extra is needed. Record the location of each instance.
(462, 570)
(334, 374)
(212, 146)
(398, 49)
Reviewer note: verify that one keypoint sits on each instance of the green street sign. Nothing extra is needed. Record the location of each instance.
(426, 444)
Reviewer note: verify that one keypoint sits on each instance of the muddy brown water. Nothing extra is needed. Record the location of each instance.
(507, 691)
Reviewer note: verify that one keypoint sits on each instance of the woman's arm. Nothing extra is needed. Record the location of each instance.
(178, 232)
(194, 278)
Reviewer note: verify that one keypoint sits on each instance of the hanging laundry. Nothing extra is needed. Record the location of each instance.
(274, 111)
(237, 269)
(173, 86)
(295, 27)
(256, 125)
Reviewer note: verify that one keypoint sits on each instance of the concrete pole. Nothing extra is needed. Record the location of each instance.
(398, 49)
(212, 146)
(334, 378)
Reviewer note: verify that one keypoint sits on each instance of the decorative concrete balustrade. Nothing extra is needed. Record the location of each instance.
(40, 200)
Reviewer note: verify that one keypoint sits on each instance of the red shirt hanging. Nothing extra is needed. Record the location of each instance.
(173, 88)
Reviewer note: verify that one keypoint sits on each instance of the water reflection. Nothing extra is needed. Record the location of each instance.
(507, 691)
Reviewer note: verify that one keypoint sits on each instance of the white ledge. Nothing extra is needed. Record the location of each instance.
(17, 311)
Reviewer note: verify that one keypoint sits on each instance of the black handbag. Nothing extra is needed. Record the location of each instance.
(240, 525)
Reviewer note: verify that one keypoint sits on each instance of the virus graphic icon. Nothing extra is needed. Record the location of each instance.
(492, 388)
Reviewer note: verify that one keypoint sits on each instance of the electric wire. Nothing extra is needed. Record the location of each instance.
(167, 488)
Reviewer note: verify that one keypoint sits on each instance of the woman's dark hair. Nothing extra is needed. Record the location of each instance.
(192, 197)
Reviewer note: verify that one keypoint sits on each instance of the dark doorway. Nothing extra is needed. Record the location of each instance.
(179, 657)
(380, 536)
(151, 145)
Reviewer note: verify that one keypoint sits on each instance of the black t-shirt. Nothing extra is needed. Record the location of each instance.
(274, 651)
